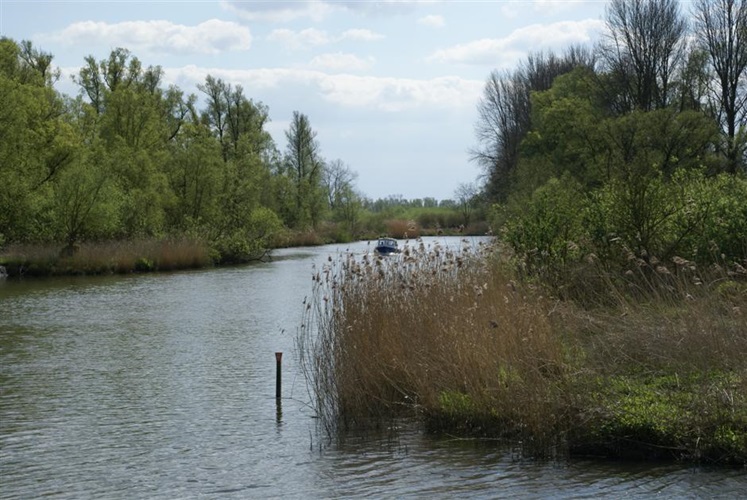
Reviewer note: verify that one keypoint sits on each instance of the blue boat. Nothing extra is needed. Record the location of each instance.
(386, 246)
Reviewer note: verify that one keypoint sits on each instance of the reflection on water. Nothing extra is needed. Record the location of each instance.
(163, 386)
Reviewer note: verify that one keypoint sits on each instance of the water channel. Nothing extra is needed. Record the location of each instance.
(163, 386)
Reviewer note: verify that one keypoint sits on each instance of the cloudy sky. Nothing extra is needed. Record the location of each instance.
(390, 87)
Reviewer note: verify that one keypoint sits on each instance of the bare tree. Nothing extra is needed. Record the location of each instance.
(337, 179)
(721, 30)
(504, 113)
(645, 45)
(466, 195)
(503, 121)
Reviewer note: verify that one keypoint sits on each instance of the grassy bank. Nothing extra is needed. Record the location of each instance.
(651, 364)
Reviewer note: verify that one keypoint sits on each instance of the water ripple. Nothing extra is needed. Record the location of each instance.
(162, 386)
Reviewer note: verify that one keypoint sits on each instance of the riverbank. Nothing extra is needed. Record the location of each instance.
(653, 365)
(118, 257)
(169, 254)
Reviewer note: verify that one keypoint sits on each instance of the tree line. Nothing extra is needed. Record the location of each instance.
(130, 157)
(633, 148)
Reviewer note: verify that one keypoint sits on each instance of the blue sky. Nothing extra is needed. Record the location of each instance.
(390, 87)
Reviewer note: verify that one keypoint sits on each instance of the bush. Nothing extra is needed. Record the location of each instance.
(546, 234)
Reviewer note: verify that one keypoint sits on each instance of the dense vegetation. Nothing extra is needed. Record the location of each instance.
(635, 149)
(454, 337)
(611, 320)
(132, 160)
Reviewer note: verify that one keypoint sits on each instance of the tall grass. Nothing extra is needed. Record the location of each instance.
(656, 367)
(441, 332)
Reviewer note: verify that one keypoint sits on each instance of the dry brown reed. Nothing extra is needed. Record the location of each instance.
(442, 332)
(450, 335)
(110, 257)
(402, 228)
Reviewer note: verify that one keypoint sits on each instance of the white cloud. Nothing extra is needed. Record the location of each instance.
(316, 10)
(400, 94)
(362, 35)
(553, 7)
(385, 7)
(346, 90)
(279, 11)
(312, 37)
(158, 37)
(341, 62)
(300, 39)
(433, 21)
(507, 51)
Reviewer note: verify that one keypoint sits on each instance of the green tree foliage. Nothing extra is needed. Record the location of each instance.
(85, 203)
(36, 143)
(195, 173)
(234, 192)
(130, 157)
(621, 161)
(546, 234)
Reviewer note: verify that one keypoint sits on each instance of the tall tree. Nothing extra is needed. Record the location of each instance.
(644, 46)
(136, 119)
(304, 165)
(503, 121)
(721, 31)
(36, 143)
(216, 114)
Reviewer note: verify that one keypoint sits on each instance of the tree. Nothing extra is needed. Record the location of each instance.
(721, 30)
(231, 115)
(503, 120)
(565, 134)
(36, 142)
(645, 44)
(504, 114)
(466, 195)
(195, 172)
(344, 202)
(137, 120)
(337, 178)
(304, 165)
(85, 202)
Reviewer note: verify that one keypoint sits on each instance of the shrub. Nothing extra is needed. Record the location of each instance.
(547, 233)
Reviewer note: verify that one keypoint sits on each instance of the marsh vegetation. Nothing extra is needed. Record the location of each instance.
(650, 363)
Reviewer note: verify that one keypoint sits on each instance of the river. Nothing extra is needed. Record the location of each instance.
(163, 386)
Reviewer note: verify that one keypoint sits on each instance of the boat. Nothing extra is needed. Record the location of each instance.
(386, 246)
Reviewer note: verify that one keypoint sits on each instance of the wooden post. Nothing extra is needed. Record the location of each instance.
(278, 374)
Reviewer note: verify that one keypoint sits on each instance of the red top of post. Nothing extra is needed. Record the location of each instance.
(278, 356)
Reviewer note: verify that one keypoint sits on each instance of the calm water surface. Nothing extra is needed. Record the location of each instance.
(163, 386)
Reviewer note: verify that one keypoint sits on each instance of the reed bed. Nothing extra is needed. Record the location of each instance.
(107, 257)
(441, 332)
(656, 368)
